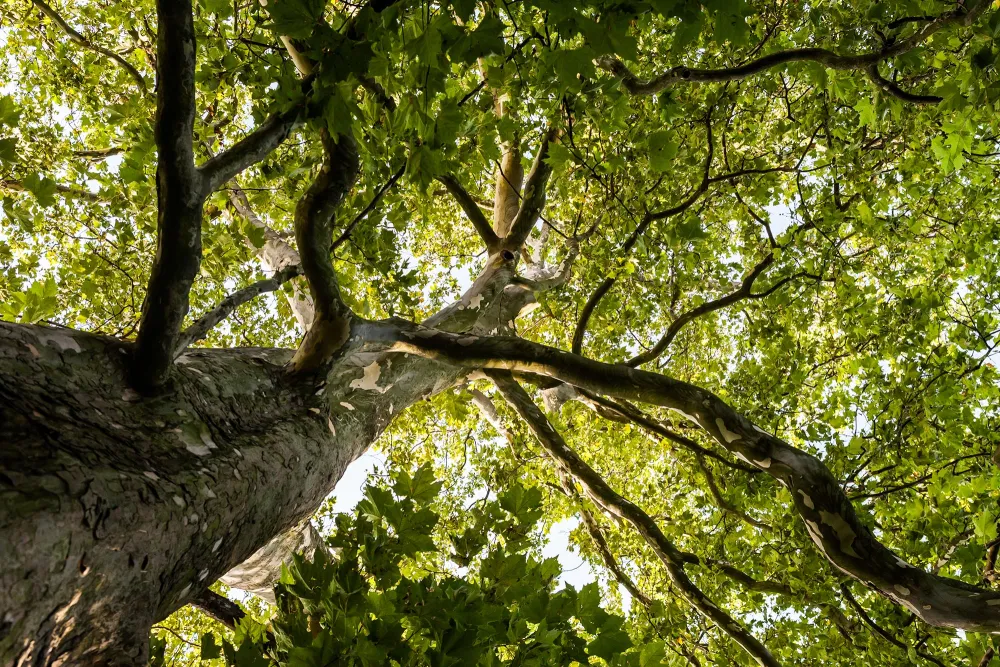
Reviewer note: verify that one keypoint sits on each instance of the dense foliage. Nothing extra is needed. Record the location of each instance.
(812, 239)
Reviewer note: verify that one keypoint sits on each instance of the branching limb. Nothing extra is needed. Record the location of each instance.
(641, 419)
(597, 535)
(825, 57)
(180, 195)
(615, 504)
(314, 216)
(895, 90)
(212, 318)
(534, 195)
(473, 212)
(87, 44)
(588, 308)
(830, 519)
(744, 292)
(724, 504)
(879, 630)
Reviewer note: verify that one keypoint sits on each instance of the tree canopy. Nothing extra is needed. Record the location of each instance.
(744, 253)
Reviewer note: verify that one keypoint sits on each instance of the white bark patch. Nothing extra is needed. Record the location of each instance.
(816, 534)
(806, 500)
(202, 575)
(33, 350)
(476, 375)
(329, 425)
(845, 534)
(197, 450)
(207, 492)
(152, 475)
(528, 307)
(690, 418)
(927, 607)
(741, 457)
(765, 464)
(179, 501)
(369, 381)
(315, 411)
(476, 301)
(215, 547)
(992, 603)
(760, 430)
(467, 340)
(60, 340)
(902, 590)
(727, 435)
(347, 405)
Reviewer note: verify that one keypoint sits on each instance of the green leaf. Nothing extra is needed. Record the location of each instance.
(609, 644)
(42, 187)
(295, 18)
(8, 149)
(662, 150)
(209, 649)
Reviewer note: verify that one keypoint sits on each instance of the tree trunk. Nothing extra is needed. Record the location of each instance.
(117, 509)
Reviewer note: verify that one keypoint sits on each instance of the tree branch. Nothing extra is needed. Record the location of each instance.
(314, 216)
(830, 518)
(219, 607)
(180, 194)
(212, 318)
(896, 91)
(608, 499)
(742, 293)
(87, 44)
(825, 57)
(648, 219)
(534, 195)
(879, 630)
(68, 190)
(349, 229)
(253, 148)
(473, 212)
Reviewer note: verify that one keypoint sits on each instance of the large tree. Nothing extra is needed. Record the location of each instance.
(745, 252)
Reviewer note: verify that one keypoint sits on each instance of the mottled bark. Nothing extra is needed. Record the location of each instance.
(117, 509)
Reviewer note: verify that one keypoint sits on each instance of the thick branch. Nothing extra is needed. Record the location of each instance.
(644, 421)
(212, 318)
(473, 212)
(607, 498)
(180, 195)
(825, 57)
(314, 216)
(534, 195)
(87, 44)
(251, 149)
(507, 194)
(219, 607)
(830, 518)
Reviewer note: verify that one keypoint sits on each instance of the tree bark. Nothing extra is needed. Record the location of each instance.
(116, 509)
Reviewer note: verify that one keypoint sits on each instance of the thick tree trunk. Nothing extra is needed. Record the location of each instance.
(115, 510)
